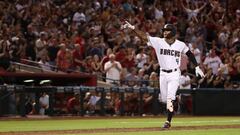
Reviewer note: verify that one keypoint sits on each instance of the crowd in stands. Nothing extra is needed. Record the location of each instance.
(84, 35)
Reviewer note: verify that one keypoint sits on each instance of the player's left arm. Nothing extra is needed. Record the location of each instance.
(192, 58)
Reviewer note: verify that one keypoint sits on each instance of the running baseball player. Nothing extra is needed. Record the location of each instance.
(168, 50)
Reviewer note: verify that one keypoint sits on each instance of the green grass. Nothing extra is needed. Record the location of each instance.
(177, 132)
(43, 125)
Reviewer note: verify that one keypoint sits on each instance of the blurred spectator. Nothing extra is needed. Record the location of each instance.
(29, 104)
(106, 57)
(79, 16)
(77, 57)
(185, 99)
(73, 104)
(141, 81)
(93, 104)
(17, 49)
(52, 50)
(64, 58)
(95, 47)
(218, 81)
(213, 61)
(237, 16)
(25, 102)
(141, 58)
(44, 99)
(129, 60)
(191, 32)
(87, 65)
(113, 69)
(131, 78)
(147, 103)
(192, 9)
(196, 52)
(185, 80)
(109, 103)
(131, 103)
(44, 103)
(96, 65)
(80, 43)
(121, 55)
(223, 37)
(158, 12)
(4, 55)
(44, 63)
(154, 80)
(41, 45)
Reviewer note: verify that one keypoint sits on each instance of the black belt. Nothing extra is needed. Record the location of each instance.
(169, 70)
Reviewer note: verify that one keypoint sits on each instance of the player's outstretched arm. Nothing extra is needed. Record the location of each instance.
(198, 70)
(142, 35)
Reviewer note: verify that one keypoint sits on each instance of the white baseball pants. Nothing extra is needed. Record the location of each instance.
(169, 83)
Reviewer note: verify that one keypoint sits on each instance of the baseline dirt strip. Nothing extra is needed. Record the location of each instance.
(111, 130)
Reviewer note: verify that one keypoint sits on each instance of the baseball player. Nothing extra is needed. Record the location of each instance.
(168, 50)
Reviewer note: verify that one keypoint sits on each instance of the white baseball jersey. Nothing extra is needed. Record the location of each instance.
(169, 56)
(213, 62)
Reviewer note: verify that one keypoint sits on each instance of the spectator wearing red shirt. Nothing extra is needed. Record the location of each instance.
(63, 62)
(121, 55)
(81, 42)
(77, 57)
(73, 104)
(129, 61)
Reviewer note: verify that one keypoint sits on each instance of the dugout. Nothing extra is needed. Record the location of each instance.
(18, 86)
(204, 101)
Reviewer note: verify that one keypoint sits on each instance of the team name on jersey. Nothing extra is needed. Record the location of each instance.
(214, 61)
(170, 52)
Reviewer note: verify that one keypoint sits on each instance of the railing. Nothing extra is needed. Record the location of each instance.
(33, 66)
(205, 101)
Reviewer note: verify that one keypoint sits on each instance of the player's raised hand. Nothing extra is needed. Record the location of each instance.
(198, 71)
(127, 25)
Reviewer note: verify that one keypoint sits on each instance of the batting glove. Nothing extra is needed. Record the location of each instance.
(198, 71)
(128, 25)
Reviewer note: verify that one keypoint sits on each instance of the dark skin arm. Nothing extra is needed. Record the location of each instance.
(191, 57)
(142, 35)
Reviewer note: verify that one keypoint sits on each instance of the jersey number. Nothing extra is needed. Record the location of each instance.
(177, 60)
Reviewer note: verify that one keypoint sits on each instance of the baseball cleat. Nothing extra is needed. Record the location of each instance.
(166, 125)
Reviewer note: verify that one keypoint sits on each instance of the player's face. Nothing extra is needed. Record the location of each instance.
(167, 34)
